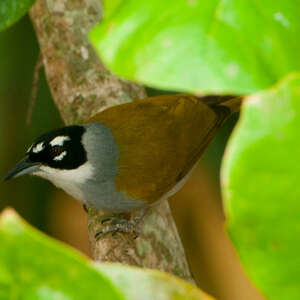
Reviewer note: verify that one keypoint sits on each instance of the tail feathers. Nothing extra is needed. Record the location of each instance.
(234, 104)
(229, 101)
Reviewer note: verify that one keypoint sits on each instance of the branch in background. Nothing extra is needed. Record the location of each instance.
(81, 87)
(34, 88)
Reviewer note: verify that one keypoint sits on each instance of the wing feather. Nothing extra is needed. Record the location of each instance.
(160, 139)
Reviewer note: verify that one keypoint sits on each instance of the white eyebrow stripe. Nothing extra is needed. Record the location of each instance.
(38, 148)
(60, 156)
(59, 140)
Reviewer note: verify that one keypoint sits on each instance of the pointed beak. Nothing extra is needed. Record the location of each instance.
(23, 167)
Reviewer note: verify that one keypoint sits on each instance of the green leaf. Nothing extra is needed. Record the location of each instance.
(13, 10)
(201, 46)
(150, 284)
(110, 6)
(261, 188)
(33, 266)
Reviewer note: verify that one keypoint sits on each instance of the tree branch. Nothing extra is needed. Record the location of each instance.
(81, 87)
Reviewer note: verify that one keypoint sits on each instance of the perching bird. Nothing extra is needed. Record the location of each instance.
(131, 155)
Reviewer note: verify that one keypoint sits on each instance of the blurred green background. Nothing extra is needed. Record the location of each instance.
(200, 223)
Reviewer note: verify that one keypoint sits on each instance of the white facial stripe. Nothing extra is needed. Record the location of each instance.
(79, 175)
(38, 148)
(69, 180)
(60, 156)
(59, 140)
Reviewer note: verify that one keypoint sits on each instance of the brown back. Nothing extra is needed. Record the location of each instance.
(160, 139)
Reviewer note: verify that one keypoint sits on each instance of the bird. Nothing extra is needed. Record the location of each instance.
(130, 156)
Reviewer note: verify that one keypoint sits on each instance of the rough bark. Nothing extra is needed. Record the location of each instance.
(81, 86)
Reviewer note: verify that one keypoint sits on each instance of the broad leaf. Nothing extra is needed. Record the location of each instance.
(12, 10)
(138, 284)
(261, 187)
(33, 266)
(230, 46)
(110, 6)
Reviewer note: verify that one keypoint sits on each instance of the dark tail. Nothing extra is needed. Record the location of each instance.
(231, 102)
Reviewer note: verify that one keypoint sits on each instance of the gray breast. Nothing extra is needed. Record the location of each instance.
(100, 191)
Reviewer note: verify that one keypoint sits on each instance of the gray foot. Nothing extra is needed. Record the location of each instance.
(120, 225)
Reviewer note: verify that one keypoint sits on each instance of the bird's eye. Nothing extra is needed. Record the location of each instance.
(56, 150)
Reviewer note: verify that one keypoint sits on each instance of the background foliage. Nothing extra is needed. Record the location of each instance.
(260, 182)
(49, 270)
(201, 46)
(12, 10)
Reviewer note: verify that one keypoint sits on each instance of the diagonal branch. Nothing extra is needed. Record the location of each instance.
(81, 86)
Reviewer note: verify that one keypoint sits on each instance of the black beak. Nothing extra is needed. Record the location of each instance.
(23, 167)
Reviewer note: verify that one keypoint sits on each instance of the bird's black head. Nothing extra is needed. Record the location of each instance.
(60, 149)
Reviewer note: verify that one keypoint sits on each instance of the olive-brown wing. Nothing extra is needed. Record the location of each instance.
(159, 139)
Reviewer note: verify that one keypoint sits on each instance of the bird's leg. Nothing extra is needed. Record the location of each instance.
(85, 208)
(117, 224)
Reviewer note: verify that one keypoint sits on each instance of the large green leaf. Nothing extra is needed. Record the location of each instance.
(232, 46)
(110, 6)
(144, 284)
(261, 187)
(12, 10)
(33, 266)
